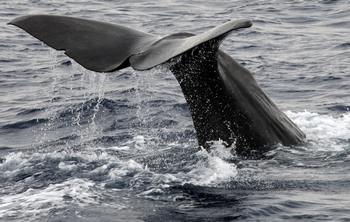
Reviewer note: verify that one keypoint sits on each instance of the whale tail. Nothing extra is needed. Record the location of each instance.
(105, 47)
(224, 99)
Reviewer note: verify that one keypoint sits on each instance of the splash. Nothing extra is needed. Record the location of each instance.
(72, 85)
(38, 201)
(324, 132)
(213, 167)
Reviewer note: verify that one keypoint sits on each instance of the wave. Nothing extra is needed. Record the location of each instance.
(30, 111)
(24, 124)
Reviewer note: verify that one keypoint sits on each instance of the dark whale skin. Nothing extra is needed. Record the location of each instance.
(227, 104)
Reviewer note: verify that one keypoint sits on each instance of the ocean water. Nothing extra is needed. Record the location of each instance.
(82, 146)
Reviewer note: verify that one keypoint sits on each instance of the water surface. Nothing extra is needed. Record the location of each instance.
(81, 146)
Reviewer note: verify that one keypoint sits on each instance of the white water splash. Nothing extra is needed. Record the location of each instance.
(139, 141)
(325, 132)
(129, 167)
(38, 201)
(213, 167)
(12, 164)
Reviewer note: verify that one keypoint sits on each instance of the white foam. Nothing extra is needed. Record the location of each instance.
(324, 131)
(119, 148)
(67, 166)
(139, 141)
(39, 201)
(212, 168)
(13, 163)
(129, 167)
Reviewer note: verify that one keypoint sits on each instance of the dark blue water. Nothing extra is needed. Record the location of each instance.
(81, 146)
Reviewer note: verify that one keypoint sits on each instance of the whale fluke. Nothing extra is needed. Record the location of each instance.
(224, 99)
(97, 46)
(177, 44)
(105, 47)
